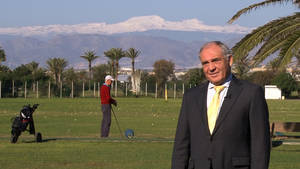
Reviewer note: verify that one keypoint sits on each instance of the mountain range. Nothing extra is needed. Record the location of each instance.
(152, 35)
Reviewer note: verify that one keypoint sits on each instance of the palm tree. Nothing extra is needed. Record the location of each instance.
(115, 54)
(33, 67)
(281, 35)
(132, 53)
(51, 66)
(90, 56)
(70, 75)
(56, 66)
(2, 55)
(118, 54)
(61, 64)
(111, 61)
(241, 68)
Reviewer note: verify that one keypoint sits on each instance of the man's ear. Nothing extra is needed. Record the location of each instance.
(230, 59)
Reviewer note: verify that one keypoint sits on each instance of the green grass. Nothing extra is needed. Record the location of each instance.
(284, 110)
(285, 157)
(71, 129)
(80, 154)
(82, 117)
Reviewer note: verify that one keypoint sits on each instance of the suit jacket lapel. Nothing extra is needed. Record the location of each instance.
(203, 107)
(233, 93)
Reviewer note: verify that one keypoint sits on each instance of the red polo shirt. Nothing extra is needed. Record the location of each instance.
(105, 95)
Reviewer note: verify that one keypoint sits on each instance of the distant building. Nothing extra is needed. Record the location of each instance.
(180, 72)
(125, 71)
(258, 69)
(272, 92)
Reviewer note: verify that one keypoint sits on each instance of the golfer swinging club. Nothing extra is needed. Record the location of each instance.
(106, 102)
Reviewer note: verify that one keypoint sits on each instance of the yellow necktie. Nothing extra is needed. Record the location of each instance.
(212, 111)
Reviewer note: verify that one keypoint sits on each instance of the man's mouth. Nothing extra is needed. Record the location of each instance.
(213, 74)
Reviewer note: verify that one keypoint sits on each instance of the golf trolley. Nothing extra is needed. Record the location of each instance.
(21, 122)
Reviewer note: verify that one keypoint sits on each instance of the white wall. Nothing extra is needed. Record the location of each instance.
(272, 92)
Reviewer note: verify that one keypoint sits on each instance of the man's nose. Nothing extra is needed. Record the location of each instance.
(211, 66)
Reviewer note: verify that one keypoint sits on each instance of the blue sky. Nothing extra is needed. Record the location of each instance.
(16, 13)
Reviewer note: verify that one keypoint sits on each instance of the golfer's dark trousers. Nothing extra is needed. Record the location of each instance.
(106, 119)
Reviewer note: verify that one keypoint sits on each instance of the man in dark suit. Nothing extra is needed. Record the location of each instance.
(233, 134)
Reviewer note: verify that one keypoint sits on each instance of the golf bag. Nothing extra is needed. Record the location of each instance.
(21, 122)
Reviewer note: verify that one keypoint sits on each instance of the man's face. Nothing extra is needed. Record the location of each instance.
(216, 66)
(108, 82)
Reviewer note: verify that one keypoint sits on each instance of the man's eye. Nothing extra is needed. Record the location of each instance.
(204, 63)
(216, 60)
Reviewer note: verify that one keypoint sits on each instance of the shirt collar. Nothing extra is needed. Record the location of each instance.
(226, 83)
(106, 84)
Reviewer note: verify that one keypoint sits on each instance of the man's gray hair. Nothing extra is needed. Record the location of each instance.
(225, 49)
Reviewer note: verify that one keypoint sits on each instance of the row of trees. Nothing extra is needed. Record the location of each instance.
(114, 55)
(31, 73)
(285, 81)
(56, 66)
(57, 73)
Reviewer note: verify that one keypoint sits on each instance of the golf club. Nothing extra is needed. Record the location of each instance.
(117, 122)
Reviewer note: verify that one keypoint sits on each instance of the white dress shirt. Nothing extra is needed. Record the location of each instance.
(211, 92)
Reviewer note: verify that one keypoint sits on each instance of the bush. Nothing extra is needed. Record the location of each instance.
(285, 82)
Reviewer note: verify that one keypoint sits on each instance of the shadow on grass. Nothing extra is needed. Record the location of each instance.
(287, 150)
(279, 143)
(44, 140)
(93, 139)
(276, 143)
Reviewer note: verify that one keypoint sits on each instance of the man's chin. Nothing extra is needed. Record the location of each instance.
(215, 81)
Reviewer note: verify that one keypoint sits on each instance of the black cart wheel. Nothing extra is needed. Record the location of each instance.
(14, 135)
(14, 138)
(38, 137)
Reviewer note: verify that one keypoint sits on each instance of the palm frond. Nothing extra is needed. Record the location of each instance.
(132, 53)
(290, 49)
(258, 5)
(253, 39)
(274, 64)
(278, 35)
(267, 52)
(89, 56)
(268, 36)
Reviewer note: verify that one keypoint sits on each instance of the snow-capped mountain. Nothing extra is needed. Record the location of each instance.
(135, 24)
(155, 37)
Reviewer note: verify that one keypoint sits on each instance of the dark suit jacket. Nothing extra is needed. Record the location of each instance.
(241, 138)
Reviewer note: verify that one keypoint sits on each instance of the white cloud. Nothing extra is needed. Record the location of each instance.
(135, 24)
